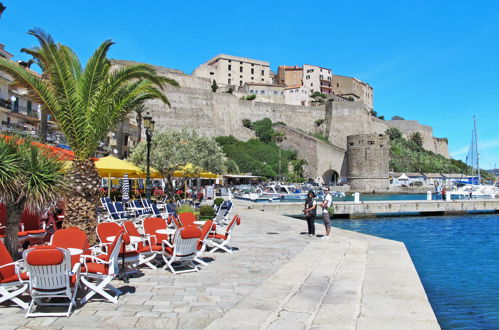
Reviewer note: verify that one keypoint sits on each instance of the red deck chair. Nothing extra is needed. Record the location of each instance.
(71, 238)
(143, 245)
(183, 250)
(51, 275)
(187, 219)
(151, 225)
(12, 282)
(220, 240)
(98, 272)
(106, 232)
(201, 245)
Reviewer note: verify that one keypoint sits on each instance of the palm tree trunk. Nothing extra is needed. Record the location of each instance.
(139, 125)
(43, 125)
(81, 203)
(14, 211)
(120, 137)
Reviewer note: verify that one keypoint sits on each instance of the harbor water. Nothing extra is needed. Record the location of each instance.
(457, 259)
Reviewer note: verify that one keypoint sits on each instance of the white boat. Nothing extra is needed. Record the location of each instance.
(284, 192)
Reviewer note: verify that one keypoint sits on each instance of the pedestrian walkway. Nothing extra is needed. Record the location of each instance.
(277, 278)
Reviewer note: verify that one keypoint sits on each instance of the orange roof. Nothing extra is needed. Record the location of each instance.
(62, 154)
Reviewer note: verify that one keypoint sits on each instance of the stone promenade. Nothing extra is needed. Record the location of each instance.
(276, 278)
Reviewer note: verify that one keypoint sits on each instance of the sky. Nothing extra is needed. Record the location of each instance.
(431, 61)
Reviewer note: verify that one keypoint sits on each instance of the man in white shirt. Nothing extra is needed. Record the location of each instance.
(328, 202)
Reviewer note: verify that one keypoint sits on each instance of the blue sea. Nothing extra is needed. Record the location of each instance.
(457, 258)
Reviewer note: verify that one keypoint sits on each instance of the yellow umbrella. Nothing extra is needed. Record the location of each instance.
(190, 171)
(113, 167)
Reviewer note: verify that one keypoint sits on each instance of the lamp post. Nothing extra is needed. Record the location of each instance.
(149, 126)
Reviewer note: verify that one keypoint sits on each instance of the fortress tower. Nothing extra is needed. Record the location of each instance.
(368, 159)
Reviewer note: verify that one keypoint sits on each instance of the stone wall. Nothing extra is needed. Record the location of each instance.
(409, 127)
(350, 118)
(322, 158)
(368, 162)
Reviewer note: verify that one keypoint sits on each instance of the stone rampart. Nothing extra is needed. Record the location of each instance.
(409, 127)
(324, 161)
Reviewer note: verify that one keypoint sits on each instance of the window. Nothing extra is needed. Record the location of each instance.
(240, 69)
(322, 77)
(229, 74)
(262, 79)
(228, 82)
(230, 67)
(262, 92)
(240, 82)
(230, 61)
(252, 64)
(252, 78)
(263, 72)
(252, 91)
(241, 63)
(337, 84)
(252, 70)
(212, 73)
(311, 84)
(276, 93)
(307, 77)
(240, 76)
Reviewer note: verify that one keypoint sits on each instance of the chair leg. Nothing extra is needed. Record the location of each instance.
(199, 261)
(12, 296)
(100, 290)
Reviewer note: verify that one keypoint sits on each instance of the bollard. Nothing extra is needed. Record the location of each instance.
(356, 197)
(428, 195)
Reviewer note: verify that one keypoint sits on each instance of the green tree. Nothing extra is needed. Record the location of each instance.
(417, 139)
(247, 123)
(394, 133)
(318, 97)
(87, 103)
(214, 86)
(263, 130)
(30, 179)
(250, 97)
(171, 150)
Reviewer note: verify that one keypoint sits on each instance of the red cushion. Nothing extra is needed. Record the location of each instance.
(217, 236)
(37, 232)
(45, 256)
(187, 218)
(14, 278)
(96, 268)
(22, 233)
(149, 248)
(190, 232)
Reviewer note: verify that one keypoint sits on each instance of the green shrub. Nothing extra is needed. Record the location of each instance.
(218, 201)
(185, 209)
(250, 97)
(247, 123)
(206, 211)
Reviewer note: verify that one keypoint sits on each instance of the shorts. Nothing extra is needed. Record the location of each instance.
(327, 219)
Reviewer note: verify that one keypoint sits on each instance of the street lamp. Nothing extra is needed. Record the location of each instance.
(149, 126)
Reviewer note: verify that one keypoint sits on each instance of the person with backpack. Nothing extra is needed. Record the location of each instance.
(326, 204)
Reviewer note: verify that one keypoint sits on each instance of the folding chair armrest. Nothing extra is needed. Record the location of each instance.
(165, 242)
(17, 266)
(76, 269)
(84, 257)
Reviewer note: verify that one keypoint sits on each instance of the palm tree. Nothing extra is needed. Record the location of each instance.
(139, 111)
(87, 103)
(30, 179)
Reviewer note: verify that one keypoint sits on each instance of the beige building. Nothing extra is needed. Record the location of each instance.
(234, 70)
(297, 95)
(349, 87)
(317, 78)
(264, 92)
(290, 75)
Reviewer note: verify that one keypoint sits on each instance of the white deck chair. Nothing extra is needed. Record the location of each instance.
(98, 272)
(201, 246)
(51, 276)
(13, 283)
(183, 250)
(222, 239)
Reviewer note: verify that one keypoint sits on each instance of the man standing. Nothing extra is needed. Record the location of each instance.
(328, 201)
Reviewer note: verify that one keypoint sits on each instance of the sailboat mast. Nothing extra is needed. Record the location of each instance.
(476, 148)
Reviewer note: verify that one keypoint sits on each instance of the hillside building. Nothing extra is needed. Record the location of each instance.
(317, 78)
(290, 75)
(297, 95)
(235, 71)
(353, 88)
(265, 92)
